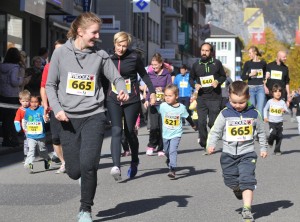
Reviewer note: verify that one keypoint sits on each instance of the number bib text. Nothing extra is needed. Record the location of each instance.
(159, 96)
(81, 84)
(206, 81)
(171, 121)
(183, 84)
(276, 74)
(239, 130)
(259, 73)
(34, 127)
(275, 111)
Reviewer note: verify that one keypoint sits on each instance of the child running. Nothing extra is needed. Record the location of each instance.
(193, 108)
(273, 111)
(36, 137)
(24, 98)
(296, 101)
(237, 123)
(171, 113)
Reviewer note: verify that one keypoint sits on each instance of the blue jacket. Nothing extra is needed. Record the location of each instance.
(183, 84)
(237, 130)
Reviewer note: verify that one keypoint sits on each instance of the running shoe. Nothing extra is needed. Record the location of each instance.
(84, 216)
(238, 193)
(62, 169)
(47, 164)
(116, 173)
(149, 151)
(171, 174)
(132, 171)
(29, 168)
(160, 153)
(247, 215)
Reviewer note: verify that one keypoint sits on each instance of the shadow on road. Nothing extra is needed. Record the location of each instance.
(136, 207)
(287, 136)
(266, 209)
(187, 172)
(290, 151)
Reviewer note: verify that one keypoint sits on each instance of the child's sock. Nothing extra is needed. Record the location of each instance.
(247, 207)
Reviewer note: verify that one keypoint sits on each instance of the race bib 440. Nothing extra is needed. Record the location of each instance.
(239, 130)
(81, 84)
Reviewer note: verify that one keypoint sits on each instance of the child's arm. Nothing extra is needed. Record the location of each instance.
(17, 120)
(285, 108)
(261, 133)
(191, 122)
(215, 133)
(266, 108)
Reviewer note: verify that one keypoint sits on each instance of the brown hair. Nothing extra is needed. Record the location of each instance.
(239, 88)
(255, 49)
(82, 21)
(276, 87)
(157, 57)
(173, 88)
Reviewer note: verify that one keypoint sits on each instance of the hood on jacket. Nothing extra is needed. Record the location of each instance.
(249, 106)
(6, 67)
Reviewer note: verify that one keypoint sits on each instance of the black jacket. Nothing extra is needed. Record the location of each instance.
(212, 67)
(129, 65)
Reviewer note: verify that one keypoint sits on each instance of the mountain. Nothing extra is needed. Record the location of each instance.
(281, 16)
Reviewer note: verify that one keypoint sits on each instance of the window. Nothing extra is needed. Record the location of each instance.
(223, 45)
(14, 32)
(223, 59)
(168, 30)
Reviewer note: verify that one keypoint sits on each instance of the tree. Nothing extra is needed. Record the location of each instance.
(293, 62)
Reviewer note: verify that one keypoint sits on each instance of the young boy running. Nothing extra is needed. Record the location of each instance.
(24, 98)
(273, 111)
(237, 123)
(36, 137)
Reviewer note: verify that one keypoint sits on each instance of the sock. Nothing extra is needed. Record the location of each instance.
(247, 207)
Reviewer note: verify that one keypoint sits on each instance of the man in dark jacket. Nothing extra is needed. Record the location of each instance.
(209, 74)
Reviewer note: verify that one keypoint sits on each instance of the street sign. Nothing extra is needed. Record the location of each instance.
(142, 6)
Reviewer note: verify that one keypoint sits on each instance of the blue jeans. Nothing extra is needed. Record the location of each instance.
(258, 98)
(170, 148)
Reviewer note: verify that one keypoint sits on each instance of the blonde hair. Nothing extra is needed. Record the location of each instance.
(173, 88)
(25, 94)
(83, 21)
(122, 36)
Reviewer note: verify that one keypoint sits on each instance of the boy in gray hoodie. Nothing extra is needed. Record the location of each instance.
(237, 123)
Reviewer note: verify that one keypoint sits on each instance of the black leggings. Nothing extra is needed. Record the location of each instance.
(130, 113)
(81, 140)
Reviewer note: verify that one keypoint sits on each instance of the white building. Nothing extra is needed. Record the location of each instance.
(227, 48)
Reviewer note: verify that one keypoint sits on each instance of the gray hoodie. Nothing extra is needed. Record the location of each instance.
(74, 80)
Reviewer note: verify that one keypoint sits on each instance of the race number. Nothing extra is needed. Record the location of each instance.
(276, 74)
(259, 73)
(239, 130)
(206, 81)
(172, 121)
(275, 111)
(159, 96)
(183, 84)
(81, 84)
(34, 127)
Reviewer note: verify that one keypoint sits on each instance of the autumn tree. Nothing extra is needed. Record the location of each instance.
(293, 62)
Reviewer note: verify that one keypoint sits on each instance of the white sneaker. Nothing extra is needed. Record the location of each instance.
(62, 169)
(149, 151)
(116, 173)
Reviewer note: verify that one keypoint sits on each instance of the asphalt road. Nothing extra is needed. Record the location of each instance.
(198, 193)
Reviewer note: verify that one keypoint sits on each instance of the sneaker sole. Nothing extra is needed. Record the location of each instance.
(116, 176)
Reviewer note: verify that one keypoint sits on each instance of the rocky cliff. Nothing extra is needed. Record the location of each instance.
(281, 15)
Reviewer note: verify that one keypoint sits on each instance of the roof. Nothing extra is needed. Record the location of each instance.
(220, 33)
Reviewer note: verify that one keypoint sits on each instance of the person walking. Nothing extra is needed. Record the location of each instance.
(278, 73)
(10, 83)
(76, 96)
(209, 75)
(254, 72)
(129, 64)
(160, 78)
(185, 90)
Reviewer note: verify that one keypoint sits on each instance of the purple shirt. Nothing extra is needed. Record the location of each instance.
(161, 80)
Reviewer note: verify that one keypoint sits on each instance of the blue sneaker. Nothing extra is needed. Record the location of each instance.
(132, 171)
(84, 216)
